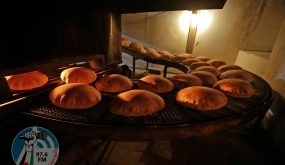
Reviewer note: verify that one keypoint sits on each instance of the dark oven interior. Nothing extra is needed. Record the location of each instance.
(54, 36)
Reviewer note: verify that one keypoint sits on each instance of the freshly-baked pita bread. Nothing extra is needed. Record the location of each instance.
(27, 81)
(78, 75)
(239, 74)
(137, 47)
(216, 63)
(185, 80)
(152, 53)
(190, 61)
(156, 84)
(198, 64)
(75, 96)
(165, 55)
(224, 68)
(235, 88)
(114, 83)
(202, 58)
(135, 103)
(208, 79)
(126, 42)
(201, 98)
(182, 56)
(209, 69)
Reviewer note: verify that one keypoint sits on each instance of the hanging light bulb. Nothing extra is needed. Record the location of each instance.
(204, 19)
(184, 21)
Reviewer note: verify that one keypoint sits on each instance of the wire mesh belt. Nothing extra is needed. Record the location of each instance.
(172, 114)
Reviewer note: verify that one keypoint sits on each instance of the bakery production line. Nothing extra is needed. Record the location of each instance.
(109, 105)
(79, 103)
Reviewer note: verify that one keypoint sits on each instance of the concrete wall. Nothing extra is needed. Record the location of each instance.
(159, 29)
(241, 25)
(134, 25)
(265, 22)
(270, 66)
(224, 38)
(248, 33)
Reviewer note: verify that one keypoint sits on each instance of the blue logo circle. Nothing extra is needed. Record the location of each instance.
(35, 145)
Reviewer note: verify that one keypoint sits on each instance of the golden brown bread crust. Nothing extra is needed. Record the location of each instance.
(185, 80)
(190, 61)
(152, 53)
(198, 64)
(207, 78)
(156, 84)
(216, 63)
(209, 69)
(235, 88)
(135, 103)
(27, 81)
(114, 83)
(126, 42)
(239, 74)
(165, 55)
(224, 68)
(75, 96)
(201, 98)
(182, 56)
(78, 75)
(137, 47)
(202, 58)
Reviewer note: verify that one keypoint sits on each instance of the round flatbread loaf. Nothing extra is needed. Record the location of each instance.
(152, 53)
(114, 83)
(216, 63)
(208, 79)
(135, 103)
(78, 75)
(156, 84)
(165, 55)
(75, 96)
(239, 74)
(224, 68)
(235, 88)
(137, 47)
(27, 81)
(189, 62)
(201, 98)
(182, 56)
(202, 58)
(198, 64)
(185, 80)
(126, 42)
(209, 69)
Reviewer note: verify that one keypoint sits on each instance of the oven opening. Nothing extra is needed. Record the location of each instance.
(144, 82)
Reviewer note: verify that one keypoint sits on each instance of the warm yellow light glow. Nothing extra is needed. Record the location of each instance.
(194, 19)
(184, 21)
(203, 20)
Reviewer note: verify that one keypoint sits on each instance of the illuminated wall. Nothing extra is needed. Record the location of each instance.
(248, 33)
(160, 29)
(268, 65)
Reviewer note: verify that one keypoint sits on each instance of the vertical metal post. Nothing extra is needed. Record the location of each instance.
(192, 32)
(113, 35)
